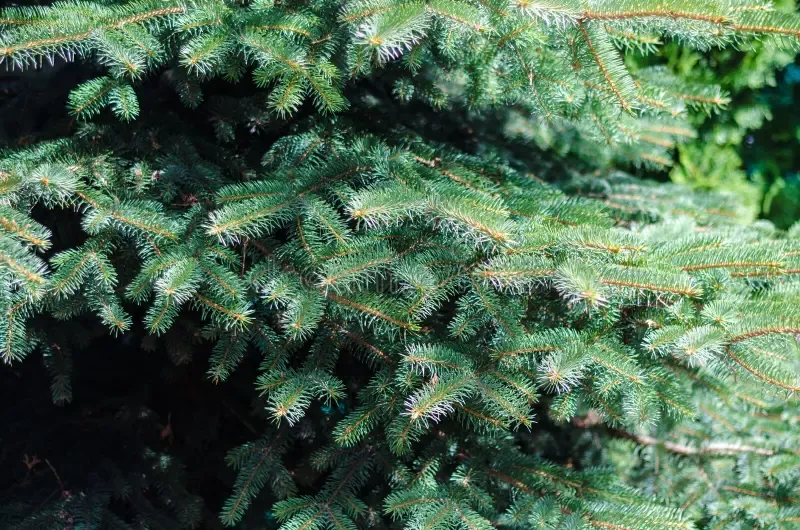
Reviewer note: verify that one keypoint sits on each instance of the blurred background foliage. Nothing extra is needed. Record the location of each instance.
(750, 147)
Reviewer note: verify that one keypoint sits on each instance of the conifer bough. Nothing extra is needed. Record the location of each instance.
(650, 330)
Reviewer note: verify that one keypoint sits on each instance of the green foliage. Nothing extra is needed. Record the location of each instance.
(449, 305)
(714, 167)
(483, 54)
(555, 302)
(743, 148)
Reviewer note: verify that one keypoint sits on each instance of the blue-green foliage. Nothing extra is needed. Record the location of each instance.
(441, 335)
(481, 304)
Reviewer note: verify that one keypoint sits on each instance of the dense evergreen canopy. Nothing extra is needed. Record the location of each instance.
(407, 233)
